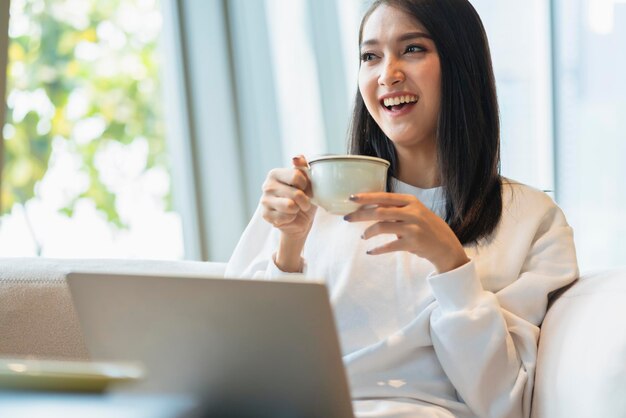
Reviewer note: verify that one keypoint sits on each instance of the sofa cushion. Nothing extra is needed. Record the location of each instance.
(37, 317)
(581, 368)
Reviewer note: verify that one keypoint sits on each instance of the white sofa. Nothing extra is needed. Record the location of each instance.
(581, 370)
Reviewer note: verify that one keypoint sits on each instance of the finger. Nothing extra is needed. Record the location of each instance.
(290, 176)
(277, 218)
(300, 161)
(399, 229)
(272, 198)
(301, 164)
(383, 199)
(302, 200)
(284, 205)
(393, 246)
(378, 213)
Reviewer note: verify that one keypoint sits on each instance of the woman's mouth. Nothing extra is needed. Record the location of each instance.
(399, 105)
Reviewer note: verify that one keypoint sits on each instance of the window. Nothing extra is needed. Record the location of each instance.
(519, 38)
(591, 103)
(295, 71)
(86, 171)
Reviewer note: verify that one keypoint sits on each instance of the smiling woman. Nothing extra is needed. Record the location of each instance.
(398, 62)
(86, 173)
(434, 141)
(440, 282)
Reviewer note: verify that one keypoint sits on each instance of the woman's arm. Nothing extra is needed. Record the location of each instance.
(487, 342)
(272, 244)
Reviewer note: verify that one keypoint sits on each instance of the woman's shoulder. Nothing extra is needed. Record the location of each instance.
(524, 201)
(515, 192)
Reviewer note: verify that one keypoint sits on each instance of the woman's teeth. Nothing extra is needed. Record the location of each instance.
(394, 101)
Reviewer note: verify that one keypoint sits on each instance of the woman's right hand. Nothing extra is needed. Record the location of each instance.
(286, 200)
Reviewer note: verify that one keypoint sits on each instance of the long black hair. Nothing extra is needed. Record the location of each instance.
(468, 128)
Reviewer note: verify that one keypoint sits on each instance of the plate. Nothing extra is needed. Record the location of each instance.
(66, 376)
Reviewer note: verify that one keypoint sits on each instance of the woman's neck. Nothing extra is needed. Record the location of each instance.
(418, 167)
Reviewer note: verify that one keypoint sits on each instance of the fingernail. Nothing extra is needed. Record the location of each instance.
(353, 197)
(368, 252)
(362, 236)
(347, 218)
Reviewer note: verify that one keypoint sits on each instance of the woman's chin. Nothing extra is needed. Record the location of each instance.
(409, 140)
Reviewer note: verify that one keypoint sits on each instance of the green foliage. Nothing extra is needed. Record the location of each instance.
(118, 82)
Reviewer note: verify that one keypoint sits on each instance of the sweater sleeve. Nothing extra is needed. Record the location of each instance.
(487, 342)
(253, 255)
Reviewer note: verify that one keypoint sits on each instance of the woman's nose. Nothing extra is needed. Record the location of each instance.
(391, 74)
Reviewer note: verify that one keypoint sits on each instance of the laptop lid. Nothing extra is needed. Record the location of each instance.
(242, 345)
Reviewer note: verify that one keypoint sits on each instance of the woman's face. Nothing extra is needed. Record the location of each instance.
(399, 77)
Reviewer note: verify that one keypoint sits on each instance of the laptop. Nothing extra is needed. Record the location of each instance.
(244, 347)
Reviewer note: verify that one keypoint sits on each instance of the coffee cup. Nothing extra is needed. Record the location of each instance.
(334, 178)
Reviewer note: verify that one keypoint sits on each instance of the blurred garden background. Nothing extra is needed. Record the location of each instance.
(86, 169)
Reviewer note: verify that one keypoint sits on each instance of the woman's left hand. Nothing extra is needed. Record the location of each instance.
(418, 229)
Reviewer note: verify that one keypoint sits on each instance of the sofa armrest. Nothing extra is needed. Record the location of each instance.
(37, 317)
(581, 366)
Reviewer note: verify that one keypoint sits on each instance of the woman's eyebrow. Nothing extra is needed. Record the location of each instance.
(404, 37)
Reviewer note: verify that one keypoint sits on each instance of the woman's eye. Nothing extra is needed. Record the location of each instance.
(367, 56)
(414, 48)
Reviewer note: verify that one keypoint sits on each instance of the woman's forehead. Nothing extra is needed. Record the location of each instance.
(388, 19)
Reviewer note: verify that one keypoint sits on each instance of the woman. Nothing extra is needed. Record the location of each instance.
(440, 284)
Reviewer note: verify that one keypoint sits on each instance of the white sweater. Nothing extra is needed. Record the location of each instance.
(420, 344)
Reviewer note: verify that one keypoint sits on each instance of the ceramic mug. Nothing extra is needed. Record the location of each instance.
(334, 178)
